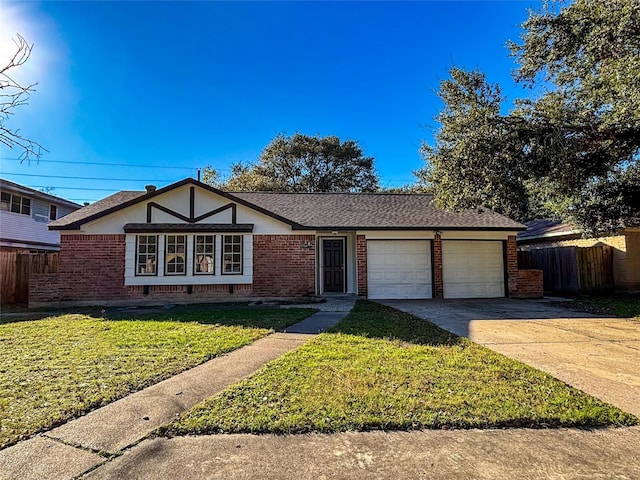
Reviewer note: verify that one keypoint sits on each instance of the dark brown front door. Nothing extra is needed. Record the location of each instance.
(333, 265)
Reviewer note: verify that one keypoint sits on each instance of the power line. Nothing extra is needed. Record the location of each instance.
(75, 188)
(134, 165)
(87, 178)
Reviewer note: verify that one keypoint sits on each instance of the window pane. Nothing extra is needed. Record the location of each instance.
(146, 255)
(15, 207)
(232, 254)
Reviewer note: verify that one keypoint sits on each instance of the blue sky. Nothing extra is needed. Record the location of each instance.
(132, 93)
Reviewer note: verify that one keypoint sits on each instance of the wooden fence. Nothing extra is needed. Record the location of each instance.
(572, 269)
(15, 269)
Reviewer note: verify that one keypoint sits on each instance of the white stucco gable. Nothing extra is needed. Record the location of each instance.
(188, 201)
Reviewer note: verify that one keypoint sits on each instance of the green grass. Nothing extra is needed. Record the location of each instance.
(58, 368)
(384, 369)
(622, 305)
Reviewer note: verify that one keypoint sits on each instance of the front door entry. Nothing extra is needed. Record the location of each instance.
(333, 264)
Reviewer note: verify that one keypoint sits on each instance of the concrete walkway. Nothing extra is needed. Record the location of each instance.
(83, 444)
(600, 356)
(436, 454)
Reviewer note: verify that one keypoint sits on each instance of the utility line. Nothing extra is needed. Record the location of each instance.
(134, 165)
(87, 178)
(75, 188)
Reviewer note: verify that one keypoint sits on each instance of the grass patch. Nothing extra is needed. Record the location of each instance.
(383, 369)
(58, 368)
(622, 305)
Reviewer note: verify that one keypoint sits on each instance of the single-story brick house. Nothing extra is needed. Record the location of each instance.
(191, 242)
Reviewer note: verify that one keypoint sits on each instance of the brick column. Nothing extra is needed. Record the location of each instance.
(438, 288)
(361, 257)
(512, 265)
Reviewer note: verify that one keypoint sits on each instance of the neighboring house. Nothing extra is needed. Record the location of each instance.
(24, 215)
(625, 244)
(191, 242)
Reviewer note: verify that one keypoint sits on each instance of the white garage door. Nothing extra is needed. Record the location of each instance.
(472, 269)
(399, 268)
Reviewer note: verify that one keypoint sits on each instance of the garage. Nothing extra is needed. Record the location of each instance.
(398, 269)
(472, 269)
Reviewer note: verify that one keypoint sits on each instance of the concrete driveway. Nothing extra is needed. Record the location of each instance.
(600, 356)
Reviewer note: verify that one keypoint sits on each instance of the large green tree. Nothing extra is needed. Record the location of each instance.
(302, 163)
(571, 149)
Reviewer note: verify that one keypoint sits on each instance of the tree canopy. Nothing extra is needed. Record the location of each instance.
(571, 149)
(302, 163)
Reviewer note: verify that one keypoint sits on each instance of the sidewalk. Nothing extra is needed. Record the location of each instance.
(83, 444)
(432, 454)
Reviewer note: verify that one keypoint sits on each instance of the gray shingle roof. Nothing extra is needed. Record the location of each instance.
(326, 210)
(96, 208)
(373, 210)
(547, 228)
(12, 186)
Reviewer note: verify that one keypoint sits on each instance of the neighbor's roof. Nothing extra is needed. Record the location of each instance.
(7, 185)
(322, 210)
(537, 229)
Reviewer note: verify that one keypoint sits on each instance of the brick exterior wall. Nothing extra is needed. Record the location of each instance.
(529, 284)
(361, 257)
(512, 265)
(438, 285)
(91, 270)
(284, 265)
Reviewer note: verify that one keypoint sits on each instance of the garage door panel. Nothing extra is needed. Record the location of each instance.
(472, 269)
(399, 269)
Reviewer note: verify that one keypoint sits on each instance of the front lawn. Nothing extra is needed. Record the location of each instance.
(383, 369)
(58, 368)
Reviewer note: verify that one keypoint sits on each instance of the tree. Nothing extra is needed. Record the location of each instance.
(302, 163)
(475, 161)
(577, 136)
(12, 95)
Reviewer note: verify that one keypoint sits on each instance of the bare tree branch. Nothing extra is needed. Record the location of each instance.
(12, 95)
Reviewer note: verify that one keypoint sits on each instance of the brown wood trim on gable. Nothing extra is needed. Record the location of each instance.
(191, 218)
(75, 225)
(188, 227)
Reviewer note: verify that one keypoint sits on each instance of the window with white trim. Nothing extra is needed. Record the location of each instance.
(175, 254)
(146, 254)
(232, 254)
(53, 212)
(204, 254)
(15, 203)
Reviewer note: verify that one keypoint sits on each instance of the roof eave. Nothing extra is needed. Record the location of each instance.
(413, 227)
(77, 224)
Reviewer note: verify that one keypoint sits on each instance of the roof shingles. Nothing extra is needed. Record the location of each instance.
(330, 210)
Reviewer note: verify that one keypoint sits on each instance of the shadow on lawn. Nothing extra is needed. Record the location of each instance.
(227, 314)
(373, 320)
